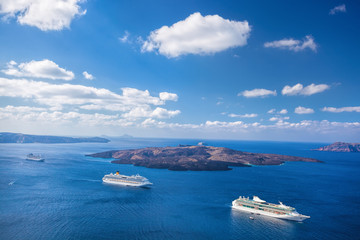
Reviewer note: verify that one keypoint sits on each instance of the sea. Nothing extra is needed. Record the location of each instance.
(64, 197)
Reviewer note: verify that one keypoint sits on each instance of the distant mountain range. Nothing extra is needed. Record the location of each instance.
(6, 137)
(341, 147)
(195, 158)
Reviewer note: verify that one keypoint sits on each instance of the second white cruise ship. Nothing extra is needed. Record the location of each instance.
(258, 206)
(134, 180)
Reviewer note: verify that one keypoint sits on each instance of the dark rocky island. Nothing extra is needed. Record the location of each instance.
(195, 158)
(341, 147)
(6, 137)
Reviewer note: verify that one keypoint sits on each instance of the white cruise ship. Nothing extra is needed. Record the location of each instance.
(134, 180)
(258, 206)
(37, 158)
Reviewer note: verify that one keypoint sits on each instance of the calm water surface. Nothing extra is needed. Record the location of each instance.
(64, 198)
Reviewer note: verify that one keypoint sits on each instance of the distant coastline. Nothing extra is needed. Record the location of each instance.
(7, 137)
(195, 158)
(341, 147)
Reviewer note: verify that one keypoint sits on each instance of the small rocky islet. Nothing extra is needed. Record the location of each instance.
(195, 158)
(341, 147)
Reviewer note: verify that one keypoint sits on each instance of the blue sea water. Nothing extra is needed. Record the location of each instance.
(64, 198)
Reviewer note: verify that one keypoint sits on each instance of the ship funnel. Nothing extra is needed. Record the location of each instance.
(257, 199)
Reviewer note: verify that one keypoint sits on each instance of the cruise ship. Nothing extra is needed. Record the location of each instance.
(37, 158)
(259, 206)
(134, 180)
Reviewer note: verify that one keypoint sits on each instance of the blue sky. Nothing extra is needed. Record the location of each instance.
(247, 70)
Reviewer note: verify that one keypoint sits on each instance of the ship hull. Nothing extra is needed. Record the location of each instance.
(291, 217)
(35, 160)
(146, 184)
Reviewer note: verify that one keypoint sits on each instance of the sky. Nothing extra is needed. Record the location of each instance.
(244, 70)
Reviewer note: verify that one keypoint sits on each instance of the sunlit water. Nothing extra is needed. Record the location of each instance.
(64, 198)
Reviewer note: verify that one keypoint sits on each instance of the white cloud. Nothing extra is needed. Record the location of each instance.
(147, 112)
(22, 109)
(298, 89)
(225, 124)
(322, 127)
(72, 120)
(43, 14)
(29, 114)
(274, 119)
(283, 111)
(258, 92)
(313, 89)
(303, 110)
(271, 111)
(247, 115)
(342, 109)
(88, 75)
(165, 96)
(125, 37)
(197, 34)
(292, 44)
(294, 90)
(340, 8)
(83, 97)
(38, 69)
(163, 113)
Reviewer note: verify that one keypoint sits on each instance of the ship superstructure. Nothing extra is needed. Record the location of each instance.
(134, 180)
(259, 206)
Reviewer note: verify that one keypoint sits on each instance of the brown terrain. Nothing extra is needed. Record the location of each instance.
(341, 147)
(195, 158)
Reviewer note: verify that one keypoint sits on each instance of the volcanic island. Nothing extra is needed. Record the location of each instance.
(195, 158)
(341, 147)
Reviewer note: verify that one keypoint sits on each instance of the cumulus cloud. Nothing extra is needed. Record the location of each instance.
(323, 126)
(147, 112)
(165, 96)
(25, 115)
(257, 92)
(338, 9)
(83, 97)
(283, 111)
(342, 109)
(299, 89)
(293, 45)
(46, 15)
(197, 34)
(164, 113)
(275, 119)
(220, 124)
(88, 75)
(38, 69)
(303, 110)
(247, 115)
(22, 109)
(271, 111)
(57, 117)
